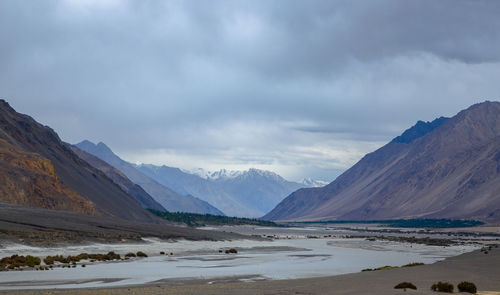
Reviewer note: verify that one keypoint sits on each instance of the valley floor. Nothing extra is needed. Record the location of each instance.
(482, 269)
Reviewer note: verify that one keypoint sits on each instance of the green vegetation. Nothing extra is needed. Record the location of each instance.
(391, 267)
(17, 262)
(405, 285)
(467, 287)
(413, 264)
(410, 223)
(231, 251)
(442, 287)
(50, 260)
(193, 219)
(130, 255)
(379, 268)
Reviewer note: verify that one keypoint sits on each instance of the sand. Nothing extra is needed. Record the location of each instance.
(482, 269)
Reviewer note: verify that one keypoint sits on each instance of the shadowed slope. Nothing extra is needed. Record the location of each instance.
(119, 178)
(452, 171)
(169, 199)
(25, 134)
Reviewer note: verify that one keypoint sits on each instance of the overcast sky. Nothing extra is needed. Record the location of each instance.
(302, 88)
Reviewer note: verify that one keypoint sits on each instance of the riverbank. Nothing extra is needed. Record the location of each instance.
(482, 269)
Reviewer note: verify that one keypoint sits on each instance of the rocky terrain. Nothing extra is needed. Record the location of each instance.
(42, 227)
(448, 168)
(29, 179)
(39, 170)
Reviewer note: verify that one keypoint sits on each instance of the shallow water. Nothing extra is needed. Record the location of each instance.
(282, 259)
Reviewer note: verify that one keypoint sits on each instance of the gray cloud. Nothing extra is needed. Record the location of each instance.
(304, 88)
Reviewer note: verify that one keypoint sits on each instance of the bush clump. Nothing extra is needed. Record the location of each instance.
(405, 285)
(442, 287)
(231, 251)
(50, 260)
(130, 254)
(18, 261)
(379, 268)
(141, 254)
(467, 287)
(413, 264)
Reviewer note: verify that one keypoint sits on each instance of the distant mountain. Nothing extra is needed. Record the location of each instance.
(448, 168)
(119, 178)
(37, 169)
(169, 199)
(250, 193)
(309, 182)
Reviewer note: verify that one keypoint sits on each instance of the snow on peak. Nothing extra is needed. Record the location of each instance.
(223, 174)
(309, 182)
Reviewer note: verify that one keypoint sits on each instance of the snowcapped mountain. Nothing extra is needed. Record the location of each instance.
(309, 182)
(221, 174)
(250, 193)
(168, 198)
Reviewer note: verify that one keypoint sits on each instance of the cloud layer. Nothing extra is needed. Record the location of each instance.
(304, 88)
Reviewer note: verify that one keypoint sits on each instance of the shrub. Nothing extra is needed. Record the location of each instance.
(413, 264)
(467, 287)
(17, 261)
(130, 254)
(141, 254)
(405, 285)
(442, 287)
(32, 261)
(231, 251)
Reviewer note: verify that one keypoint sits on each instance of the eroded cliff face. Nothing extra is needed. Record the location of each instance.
(30, 180)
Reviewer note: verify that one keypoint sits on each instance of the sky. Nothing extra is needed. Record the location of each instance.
(301, 88)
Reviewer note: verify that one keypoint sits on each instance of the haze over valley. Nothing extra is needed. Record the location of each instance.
(249, 147)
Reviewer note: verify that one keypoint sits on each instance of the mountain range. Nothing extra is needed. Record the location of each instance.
(121, 179)
(250, 193)
(37, 169)
(168, 198)
(447, 168)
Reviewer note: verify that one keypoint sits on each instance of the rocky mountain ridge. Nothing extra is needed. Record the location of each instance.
(169, 199)
(39, 170)
(451, 170)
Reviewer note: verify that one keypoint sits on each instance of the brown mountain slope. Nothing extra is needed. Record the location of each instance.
(119, 178)
(451, 171)
(25, 134)
(30, 180)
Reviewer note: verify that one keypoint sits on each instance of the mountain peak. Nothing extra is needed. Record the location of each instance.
(418, 130)
(309, 182)
(100, 149)
(447, 168)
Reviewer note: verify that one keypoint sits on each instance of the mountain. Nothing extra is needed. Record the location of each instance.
(39, 170)
(169, 199)
(119, 178)
(448, 168)
(250, 193)
(309, 182)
